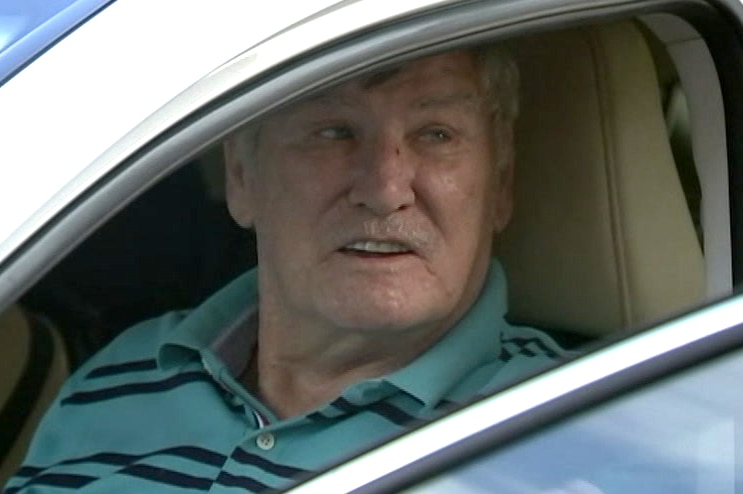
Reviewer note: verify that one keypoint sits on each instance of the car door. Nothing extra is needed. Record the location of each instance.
(659, 412)
(189, 110)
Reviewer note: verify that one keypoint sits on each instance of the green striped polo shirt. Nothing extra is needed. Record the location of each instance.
(160, 409)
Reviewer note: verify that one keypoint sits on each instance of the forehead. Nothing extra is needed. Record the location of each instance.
(455, 74)
(453, 67)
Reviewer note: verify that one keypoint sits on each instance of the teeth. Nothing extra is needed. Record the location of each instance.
(378, 247)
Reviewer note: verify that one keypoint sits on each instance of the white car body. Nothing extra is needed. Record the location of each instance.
(100, 103)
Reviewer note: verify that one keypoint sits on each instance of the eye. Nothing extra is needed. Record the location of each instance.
(436, 135)
(337, 132)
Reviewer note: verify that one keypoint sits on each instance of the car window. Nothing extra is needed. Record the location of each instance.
(681, 435)
(83, 271)
(99, 287)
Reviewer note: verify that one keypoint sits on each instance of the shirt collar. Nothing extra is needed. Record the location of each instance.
(225, 324)
(471, 343)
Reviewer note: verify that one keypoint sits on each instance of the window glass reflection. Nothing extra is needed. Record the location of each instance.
(679, 436)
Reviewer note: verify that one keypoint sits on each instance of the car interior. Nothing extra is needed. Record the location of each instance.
(607, 234)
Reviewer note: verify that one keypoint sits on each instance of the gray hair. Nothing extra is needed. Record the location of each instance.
(500, 78)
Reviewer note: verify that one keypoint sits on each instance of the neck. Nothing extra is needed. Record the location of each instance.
(298, 378)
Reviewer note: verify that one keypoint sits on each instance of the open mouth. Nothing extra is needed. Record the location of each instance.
(372, 248)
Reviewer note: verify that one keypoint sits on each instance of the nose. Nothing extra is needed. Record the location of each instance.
(383, 176)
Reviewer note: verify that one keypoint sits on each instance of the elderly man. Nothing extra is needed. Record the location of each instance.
(375, 303)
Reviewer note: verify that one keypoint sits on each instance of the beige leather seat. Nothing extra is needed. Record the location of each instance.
(601, 237)
(33, 366)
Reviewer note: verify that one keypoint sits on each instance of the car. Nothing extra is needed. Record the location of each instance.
(625, 244)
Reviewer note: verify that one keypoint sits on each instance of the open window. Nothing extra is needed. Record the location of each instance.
(625, 160)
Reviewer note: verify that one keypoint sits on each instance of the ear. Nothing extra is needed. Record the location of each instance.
(504, 183)
(237, 186)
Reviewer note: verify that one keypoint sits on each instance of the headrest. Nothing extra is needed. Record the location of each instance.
(601, 236)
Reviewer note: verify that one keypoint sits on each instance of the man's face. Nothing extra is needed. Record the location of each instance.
(375, 204)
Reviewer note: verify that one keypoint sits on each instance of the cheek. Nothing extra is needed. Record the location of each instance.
(292, 195)
(465, 212)
(269, 190)
(466, 193)
(297, 169)
(276, 180)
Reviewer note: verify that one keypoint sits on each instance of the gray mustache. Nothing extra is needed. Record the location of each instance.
(415, 234)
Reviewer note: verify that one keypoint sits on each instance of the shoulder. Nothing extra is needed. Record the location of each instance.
(524, 351)
(133, 354)
(138, 343)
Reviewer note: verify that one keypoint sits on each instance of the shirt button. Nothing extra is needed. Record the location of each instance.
(265, 441)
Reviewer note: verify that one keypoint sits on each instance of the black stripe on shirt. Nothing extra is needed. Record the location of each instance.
(383, 409)
(29, 471)
(446, 406)
(392, 413)
(346, 406)
(192, 453)
(332, 412)
(117, 459)
(229, 480)
(317, 417)
(523, 348)
(242, 456)
(86, 397)
(200, 455)
(165, 476)
(63, 480)
(505, 356)
(122, 368)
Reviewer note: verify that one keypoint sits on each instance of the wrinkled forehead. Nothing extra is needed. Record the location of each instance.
(458, 67)
(448, 80)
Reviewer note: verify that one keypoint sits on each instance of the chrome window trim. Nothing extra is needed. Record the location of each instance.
(583, 372)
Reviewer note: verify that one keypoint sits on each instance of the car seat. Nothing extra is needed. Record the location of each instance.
(33, 366)
(601, 238)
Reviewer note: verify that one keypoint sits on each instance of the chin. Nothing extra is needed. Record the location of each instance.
(386, 315)
(385, 305)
